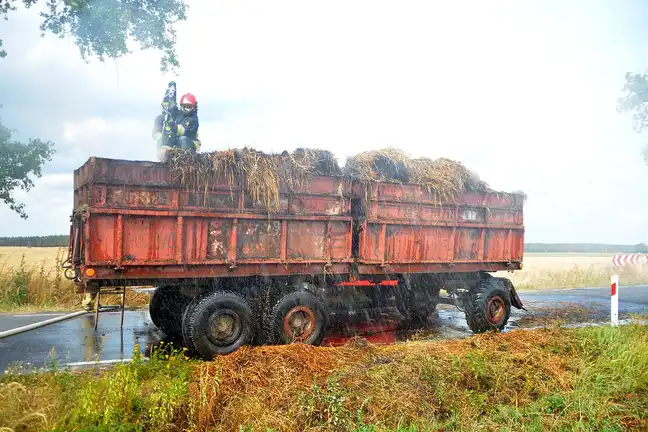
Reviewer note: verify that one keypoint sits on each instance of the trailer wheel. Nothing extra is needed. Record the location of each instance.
(488, 306)
(297, 317)
(166, 307)
(218, 323)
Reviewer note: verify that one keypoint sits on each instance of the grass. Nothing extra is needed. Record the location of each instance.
(548, 379)
(31, 279)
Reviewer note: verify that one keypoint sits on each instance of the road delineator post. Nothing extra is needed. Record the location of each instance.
(620, 260)
(614, 296)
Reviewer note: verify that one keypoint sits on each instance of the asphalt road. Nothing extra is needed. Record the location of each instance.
(77, 344)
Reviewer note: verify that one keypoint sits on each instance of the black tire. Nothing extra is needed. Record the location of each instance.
(199, 330)
(166, 307)
(488, 306)
(416, 307)
(292, 311)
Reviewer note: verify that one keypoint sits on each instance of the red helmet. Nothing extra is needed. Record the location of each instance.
(188, 102)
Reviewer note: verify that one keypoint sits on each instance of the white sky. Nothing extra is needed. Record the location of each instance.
(523, 92)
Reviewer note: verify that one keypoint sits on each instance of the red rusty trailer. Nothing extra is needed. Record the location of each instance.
(229, 273)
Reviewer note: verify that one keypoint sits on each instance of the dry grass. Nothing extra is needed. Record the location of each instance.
(573, 271)
(32, 279)
(549, 379)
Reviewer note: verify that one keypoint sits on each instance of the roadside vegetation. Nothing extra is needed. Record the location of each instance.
(549, 271)
(33, 279)
(548, 379)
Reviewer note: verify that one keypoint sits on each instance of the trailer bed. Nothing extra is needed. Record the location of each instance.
(134, 222)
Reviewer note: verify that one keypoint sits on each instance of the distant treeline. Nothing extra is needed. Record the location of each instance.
(62, 241)
(42, 241)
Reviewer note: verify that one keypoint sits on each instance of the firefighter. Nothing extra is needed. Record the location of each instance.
(187, 123)
(88, 300)
(177, 127)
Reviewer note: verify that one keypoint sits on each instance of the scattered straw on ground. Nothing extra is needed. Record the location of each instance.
(270, 386)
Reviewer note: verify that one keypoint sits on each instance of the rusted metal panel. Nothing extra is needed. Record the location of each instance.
(103, 234)
(467, 244)
(249, 205)
(220, 200)
(137, 197)
(259, 238)
(324, 185)
(438, 213)
(340, 240)
(370, 249)
(307, 205)
(220, 231)
(498, 244)
(306, 240)
(422, 228)
(437, 244)
(147, 238)
(505, 217)
(400, 243)
(121, 172)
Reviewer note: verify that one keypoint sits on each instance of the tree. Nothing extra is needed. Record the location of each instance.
(103, 28)
(17, 162)
(635, 99)
(641, 248)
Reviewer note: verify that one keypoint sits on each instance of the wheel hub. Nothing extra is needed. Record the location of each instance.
(299, 323)
(224, 327)
(496, 309)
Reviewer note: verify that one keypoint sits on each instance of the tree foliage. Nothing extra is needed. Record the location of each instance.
(634, 99)
(36, 241)
(17, 162)
(103, 28)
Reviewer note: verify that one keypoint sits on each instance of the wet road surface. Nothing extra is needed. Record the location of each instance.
(8, 322)
(76, 343)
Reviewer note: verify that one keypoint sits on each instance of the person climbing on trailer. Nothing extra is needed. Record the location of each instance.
(177, 127)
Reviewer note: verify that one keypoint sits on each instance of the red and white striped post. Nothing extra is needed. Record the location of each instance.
(620, 260)
(615, 301)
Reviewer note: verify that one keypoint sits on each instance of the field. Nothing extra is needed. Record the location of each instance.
(592, 379)
(546, 270)
(31, 278)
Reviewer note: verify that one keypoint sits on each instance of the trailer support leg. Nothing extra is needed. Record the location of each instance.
(123, 302)
(97, 309)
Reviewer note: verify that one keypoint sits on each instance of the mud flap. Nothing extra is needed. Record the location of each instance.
(515, 298)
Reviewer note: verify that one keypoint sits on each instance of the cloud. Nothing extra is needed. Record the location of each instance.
(522, 93)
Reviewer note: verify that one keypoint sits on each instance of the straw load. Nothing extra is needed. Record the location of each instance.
(444, 177)
(264, 174)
